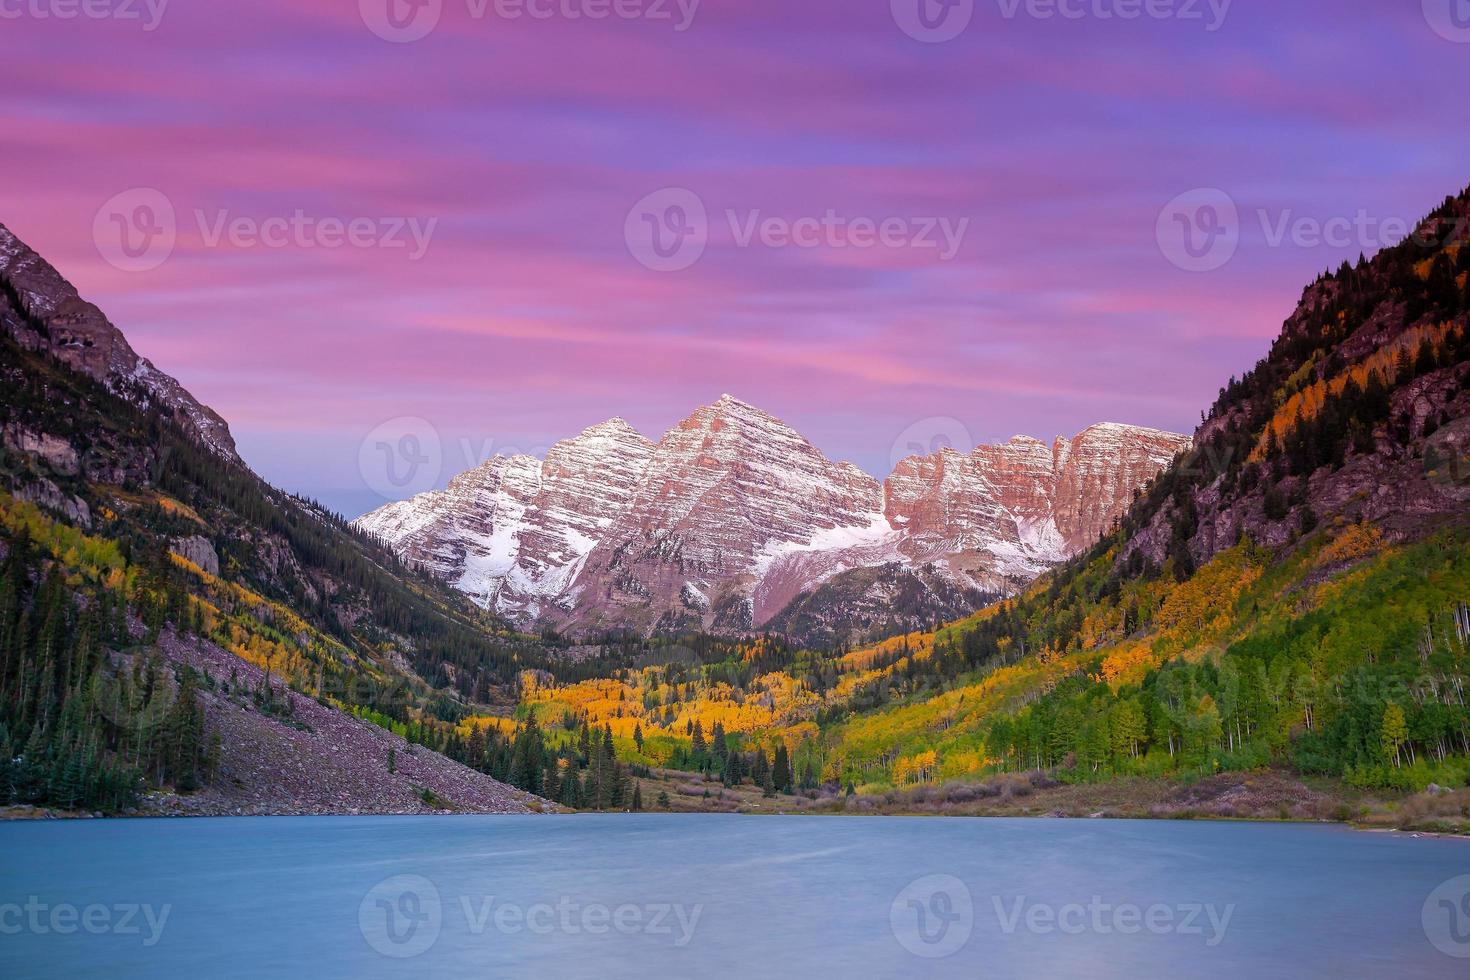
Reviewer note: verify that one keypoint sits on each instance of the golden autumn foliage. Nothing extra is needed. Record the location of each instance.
(266, 633)
(1354, 542)
(1201, 609)
(882, 746)
(642, 700)
(1305, 404)
(92, 558)
(1127, 664)
(920, 768)
(919, 646)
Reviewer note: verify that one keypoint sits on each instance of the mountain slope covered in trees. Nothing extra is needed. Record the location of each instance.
(126, 516)
(1290, 594)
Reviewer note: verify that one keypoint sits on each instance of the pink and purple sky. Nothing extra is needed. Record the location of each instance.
(525, 142)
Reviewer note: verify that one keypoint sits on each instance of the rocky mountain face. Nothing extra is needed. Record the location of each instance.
(733, 517)
(43, 312)
(1360, 414)
(93, 434)
(184, 540)
(972, 528)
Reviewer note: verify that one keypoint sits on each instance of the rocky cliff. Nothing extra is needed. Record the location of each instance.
(733, 516)
(43, 312)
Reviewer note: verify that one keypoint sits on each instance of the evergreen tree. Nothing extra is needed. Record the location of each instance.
(781, 769)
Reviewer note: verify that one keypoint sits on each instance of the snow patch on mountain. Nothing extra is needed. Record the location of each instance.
(733, 514)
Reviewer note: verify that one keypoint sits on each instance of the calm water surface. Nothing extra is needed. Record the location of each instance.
(576, 897)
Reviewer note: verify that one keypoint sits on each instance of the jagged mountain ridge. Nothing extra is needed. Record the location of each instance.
(93, 432)
(733, 516)
(123, 491)
(43, 312)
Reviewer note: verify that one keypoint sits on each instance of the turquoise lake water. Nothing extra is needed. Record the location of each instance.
(573, 897)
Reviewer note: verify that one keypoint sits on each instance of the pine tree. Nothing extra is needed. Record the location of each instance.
(781, 769)
(570, 791)
(760, 766)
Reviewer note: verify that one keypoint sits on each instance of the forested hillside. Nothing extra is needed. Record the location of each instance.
(1292, 592)
(117, 523)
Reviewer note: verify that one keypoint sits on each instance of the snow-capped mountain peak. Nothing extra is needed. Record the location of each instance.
(733, 514)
